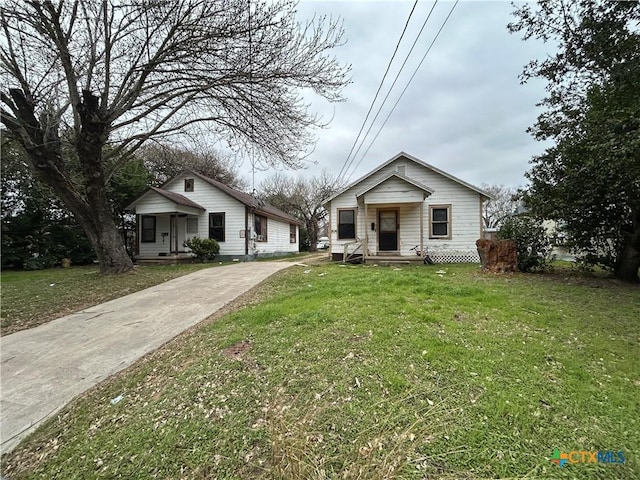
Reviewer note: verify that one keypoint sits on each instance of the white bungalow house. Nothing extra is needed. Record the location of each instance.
(193, 205)
(403, 206)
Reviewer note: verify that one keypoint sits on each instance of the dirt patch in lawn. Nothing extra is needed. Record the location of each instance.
(237, 351)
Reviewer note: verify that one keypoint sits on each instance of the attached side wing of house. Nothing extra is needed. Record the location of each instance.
(193, 205)
(403, 207)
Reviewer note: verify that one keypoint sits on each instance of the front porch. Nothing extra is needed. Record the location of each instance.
(164, 259)
(393, 260)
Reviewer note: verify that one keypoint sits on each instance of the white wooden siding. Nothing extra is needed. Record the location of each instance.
(215, 201)
(465, 221)
(152, 202)
(277, 238)
(394, 190)
(153, 249)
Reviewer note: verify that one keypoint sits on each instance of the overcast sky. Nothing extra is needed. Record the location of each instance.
(465, 111)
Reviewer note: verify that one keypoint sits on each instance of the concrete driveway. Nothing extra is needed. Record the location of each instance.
(44, 368)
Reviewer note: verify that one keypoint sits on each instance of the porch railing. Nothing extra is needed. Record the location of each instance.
(346, 255)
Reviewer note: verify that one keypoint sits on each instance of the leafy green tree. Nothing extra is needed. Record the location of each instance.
(533, 246)
(90, 82)
(126, 184)
(589, 179)
(37, 230)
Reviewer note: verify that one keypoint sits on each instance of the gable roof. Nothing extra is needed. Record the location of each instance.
(174, 197)
(415, 160)
(402, 177)
(177, 198)
(250, 201)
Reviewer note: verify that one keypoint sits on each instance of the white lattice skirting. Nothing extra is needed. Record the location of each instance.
(455, 257)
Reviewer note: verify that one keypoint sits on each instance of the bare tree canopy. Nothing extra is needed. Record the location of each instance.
(502, 204)
(80, 75)
(301, 198)
(165, 162)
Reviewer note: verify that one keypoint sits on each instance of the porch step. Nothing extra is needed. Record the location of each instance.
(387, 260)
(164, 260)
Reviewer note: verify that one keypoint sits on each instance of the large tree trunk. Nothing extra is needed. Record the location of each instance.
(628, 262)
(107, 243)
(312, 231)
(88, 202)
(100, 226)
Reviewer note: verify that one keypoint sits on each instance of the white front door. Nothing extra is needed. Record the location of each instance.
(178, 231)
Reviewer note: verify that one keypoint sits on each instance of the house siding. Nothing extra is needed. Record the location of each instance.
(277, 238)
(152, 203)
(214, 201)
(465, 221)
(157, 247)
(394, 190)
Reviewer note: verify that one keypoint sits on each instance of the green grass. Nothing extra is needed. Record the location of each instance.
(30, 298)
(366, 372)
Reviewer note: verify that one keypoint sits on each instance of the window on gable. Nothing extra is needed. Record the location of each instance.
(292, 233)
(216, 226)
(440, 225)
(346, 224)
(188, 184)
(148, 229)
(260, 227)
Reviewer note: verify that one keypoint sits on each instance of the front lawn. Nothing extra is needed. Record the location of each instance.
(366, 372)
(30, 298)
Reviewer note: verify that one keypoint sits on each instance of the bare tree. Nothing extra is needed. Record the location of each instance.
(503, 204)
(301, 198)
(78, 76)
(165, 162)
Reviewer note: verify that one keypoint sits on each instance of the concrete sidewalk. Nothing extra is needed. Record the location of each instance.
(44, 368)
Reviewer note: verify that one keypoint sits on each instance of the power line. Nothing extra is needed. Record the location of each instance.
(404, 90)
(424, 24)
(344, 166)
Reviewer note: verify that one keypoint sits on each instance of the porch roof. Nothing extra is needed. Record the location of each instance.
(156, 200)
(395, 187)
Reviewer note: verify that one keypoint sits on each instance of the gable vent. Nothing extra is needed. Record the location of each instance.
(401, 169)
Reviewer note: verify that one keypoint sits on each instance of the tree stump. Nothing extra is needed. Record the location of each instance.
(497, 256)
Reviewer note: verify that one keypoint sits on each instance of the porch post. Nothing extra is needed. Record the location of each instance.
(422, 227)
(365, 250)
(174, 235)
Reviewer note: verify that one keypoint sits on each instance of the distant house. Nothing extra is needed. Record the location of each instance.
(402, 206)
(193, 205)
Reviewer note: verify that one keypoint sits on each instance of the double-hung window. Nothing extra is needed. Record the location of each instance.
(216, 226)
(346, 224)
(148, 229)
(440, 221)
